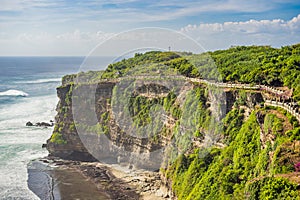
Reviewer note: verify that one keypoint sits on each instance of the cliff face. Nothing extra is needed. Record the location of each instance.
(86, 129)
(90, 123)
(65, 141)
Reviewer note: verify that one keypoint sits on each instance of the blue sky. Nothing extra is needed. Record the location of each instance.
(73, 27)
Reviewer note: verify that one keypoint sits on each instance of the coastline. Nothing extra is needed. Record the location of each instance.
(110, 181)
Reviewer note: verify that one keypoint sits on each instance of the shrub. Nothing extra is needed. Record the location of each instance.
(57, 138)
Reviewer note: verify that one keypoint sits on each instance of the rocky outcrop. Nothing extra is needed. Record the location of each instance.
(80, 109)
(72, 148)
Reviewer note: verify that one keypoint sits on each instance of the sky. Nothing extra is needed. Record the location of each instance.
(74, 27)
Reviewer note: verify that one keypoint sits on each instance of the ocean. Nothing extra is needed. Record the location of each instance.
(27, 93)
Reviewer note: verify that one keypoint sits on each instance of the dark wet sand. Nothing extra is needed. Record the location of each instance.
(61, 183)
(70, 184)
(54, 179)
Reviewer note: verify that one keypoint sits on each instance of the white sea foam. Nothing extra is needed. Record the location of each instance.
(14, 93)
(20, 144)
(46, 80)
(35, 109)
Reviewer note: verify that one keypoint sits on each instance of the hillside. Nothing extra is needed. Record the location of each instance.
(219, 125)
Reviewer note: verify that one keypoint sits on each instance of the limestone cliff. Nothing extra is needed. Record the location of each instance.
(88, 129)
(84, 108)
(65, 142)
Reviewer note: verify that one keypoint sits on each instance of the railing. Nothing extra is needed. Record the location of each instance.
(287, 106)
(239, 86)
(294, 110)
(272, 90)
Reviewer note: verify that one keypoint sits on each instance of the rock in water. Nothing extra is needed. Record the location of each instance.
(29, 124)
(45, 124)
(40, 124)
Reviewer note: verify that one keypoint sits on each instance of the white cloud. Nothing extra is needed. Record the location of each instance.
(275, 32)
(211, 36)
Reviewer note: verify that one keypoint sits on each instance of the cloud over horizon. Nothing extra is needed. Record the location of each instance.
(276, 32)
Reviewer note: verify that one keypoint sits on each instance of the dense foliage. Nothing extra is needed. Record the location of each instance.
(272, 188)
(261, 65)
(241, 169)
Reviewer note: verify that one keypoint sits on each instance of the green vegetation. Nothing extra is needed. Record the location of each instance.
(148, 60)
(272, 188)
(294, 134)
(102, 127)
(261, 65)
(232, 124)
(139, 109)
(92, 129)
(82, 77)
(57, 138)
(238, 170)
(273, 124)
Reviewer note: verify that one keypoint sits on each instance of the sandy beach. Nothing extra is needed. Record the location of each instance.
(65, 179)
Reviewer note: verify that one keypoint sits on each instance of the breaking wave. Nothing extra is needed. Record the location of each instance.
(48, 80)
(15, 93)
